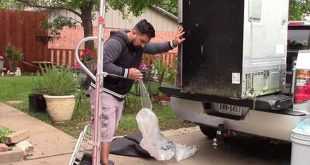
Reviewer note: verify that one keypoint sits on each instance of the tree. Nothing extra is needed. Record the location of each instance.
(298, 8)
(83, 9)
(11, 4)
(137, 6)
(170, 6)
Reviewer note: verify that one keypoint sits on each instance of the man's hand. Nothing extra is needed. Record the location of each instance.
(135, 74)
(179, 38)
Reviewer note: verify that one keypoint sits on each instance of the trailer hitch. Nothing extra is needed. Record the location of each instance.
(220, 136)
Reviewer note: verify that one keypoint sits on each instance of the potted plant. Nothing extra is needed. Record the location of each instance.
(14, 56)
(4, 132)
(89, 57)
(36, 100)
(163, 75)
(59, 86)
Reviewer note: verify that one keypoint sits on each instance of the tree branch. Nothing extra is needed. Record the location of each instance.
(75, 20)
(49, 7)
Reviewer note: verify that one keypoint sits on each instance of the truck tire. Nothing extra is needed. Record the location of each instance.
(210, 132)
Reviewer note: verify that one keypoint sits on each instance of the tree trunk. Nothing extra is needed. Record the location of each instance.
(87, 26)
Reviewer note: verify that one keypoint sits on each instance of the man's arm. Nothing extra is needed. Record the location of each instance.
(111, 51)
(156, 48)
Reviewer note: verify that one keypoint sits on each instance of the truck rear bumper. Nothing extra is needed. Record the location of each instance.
(260, 123)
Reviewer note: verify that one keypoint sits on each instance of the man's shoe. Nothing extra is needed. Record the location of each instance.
(110, 163)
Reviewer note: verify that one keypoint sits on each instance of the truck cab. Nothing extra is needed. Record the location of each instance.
(298, 39)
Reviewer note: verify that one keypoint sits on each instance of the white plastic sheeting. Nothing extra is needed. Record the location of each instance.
(159, 147)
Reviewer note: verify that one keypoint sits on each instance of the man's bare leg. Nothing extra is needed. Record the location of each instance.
(105, 151)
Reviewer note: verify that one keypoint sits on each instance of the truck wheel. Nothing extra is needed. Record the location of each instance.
(210, 132)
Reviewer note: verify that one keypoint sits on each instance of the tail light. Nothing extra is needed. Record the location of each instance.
(302, 89)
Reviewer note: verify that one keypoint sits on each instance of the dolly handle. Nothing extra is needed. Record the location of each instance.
(77, 57)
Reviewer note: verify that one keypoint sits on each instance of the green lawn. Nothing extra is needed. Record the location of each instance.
(18, 89)
(15, 88)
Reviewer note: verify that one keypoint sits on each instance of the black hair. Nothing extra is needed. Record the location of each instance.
(144, 27)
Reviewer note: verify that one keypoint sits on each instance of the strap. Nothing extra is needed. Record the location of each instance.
(109, 91)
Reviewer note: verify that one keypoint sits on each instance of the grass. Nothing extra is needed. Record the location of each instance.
(167, 120)
(15, 88)
(18, 89)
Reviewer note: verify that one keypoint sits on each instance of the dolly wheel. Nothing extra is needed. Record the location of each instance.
(210, 132)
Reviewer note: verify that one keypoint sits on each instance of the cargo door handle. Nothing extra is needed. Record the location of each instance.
(202, 49)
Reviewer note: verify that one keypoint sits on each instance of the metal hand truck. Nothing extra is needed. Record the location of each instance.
(89, 139)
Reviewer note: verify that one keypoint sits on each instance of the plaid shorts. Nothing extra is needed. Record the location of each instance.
(111, 110)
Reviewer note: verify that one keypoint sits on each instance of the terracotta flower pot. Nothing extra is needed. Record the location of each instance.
(162, 98)
(60, 108)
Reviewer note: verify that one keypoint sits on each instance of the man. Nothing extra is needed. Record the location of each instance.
(122, 56)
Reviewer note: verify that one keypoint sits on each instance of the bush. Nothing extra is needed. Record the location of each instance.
(55, 82)
(166, 74)
(13, 55)
(4, 132)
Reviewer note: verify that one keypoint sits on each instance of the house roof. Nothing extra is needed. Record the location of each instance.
(69, 37)
(165, 13)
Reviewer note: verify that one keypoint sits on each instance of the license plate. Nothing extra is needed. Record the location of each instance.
(229, 109)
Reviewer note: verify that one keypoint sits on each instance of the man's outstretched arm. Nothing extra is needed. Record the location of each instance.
(156, 48)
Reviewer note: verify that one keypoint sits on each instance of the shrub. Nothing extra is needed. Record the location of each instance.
(56, 82)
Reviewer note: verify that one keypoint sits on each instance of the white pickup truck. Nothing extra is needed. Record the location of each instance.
(234, 70)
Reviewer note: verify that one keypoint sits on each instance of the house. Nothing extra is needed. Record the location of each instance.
(162, 20)
(164, 23)
(33, 40)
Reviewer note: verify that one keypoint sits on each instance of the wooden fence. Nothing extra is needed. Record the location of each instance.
(23, 30)
(66, 57)
(63, 57)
